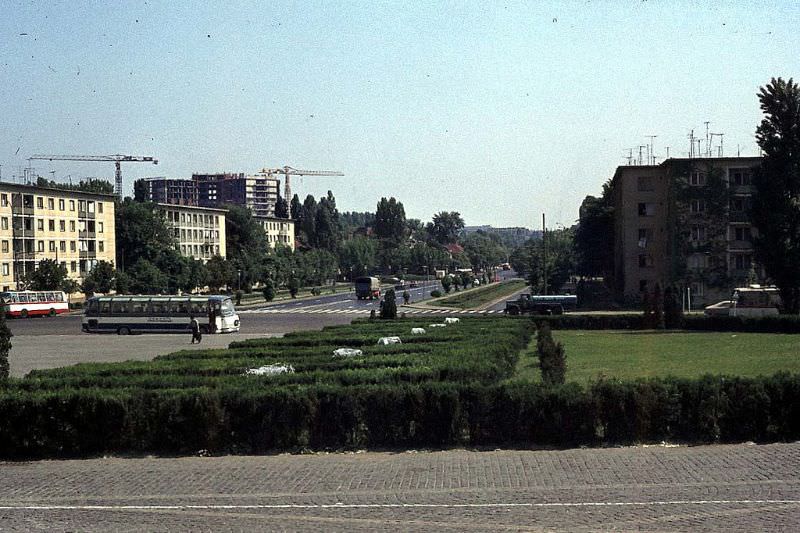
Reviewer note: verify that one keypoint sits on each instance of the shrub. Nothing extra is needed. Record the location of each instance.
(446, 284)
(5, 346)
(294, 287)
(552, 360)
(436, 293)
(269, 290)
(389, 305)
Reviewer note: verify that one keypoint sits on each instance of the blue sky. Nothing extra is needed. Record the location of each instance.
(500, 111)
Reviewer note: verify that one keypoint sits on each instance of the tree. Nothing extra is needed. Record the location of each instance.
(295, 208)
(219, 273)
(140, 190)
(49, 276)
(594, 236)
(445, 226)
(357, 256)
(558, 263)
(246, 245)
(281, 207)
(5, 347)
(307, 221)
(294, 287)
(390, 221)
(141, 233)
(776, 201)
(389, 305)
(484, 250)
(269, 290)
(147, 278)
(94, 185)
(327, 232)
(100, 279)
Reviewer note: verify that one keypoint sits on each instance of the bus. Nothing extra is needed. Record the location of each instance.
(755, 301)
(126, 314)
(22, 304)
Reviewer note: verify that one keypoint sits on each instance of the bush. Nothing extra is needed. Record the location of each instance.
(269, 290)
(316, 291)
(436, 293)
(294, 287)
(389, 305)
(552, 360)
(5, 346)
(447, 283)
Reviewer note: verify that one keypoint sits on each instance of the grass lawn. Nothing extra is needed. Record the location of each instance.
(643, 354)
(482, 295)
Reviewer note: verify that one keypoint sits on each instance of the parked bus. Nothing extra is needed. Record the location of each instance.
(367, 287)
(752, 301)
(126, 314)
(32, 303)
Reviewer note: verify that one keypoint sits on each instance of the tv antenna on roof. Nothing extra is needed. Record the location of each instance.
(651, 148)
(721, 138)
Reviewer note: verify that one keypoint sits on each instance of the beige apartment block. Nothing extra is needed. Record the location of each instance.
(200, 231)
(684, 223)
(278, 230)
(74, 228)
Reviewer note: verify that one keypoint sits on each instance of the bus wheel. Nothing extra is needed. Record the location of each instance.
(24, 313)
(52, 312)
(123, 331)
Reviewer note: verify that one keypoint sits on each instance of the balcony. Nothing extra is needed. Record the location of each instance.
(738, 216)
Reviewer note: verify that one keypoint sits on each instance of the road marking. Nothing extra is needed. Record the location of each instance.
(340, 505)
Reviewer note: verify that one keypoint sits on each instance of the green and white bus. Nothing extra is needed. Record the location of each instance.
(126, 314)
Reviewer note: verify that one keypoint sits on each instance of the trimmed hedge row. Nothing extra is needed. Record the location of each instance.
(767, 324)
(89, 422)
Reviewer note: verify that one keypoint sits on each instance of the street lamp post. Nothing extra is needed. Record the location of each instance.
(239, 275)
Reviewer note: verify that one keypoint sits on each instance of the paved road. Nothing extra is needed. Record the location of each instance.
(718, 488)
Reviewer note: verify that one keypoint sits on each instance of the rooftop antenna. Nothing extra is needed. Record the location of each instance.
(630, 156)
(708, 144)
(667, 152)
(698, 147)
(691, 144)
(719, 148)
(652, 154)
(640, 153)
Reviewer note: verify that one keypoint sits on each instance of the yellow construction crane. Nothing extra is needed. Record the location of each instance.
(289, 171)
(117, 159)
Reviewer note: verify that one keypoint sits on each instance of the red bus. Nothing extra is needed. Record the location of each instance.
(31, 303)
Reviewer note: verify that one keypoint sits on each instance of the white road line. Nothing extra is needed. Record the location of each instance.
(340, 505)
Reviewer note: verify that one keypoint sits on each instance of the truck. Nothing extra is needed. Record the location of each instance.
(367, 287)
(541, 305)
(751, 302)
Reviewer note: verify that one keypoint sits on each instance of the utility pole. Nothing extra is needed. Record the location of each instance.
(544, 253)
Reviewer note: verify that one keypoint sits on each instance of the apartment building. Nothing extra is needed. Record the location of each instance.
(200, 231)
(171, 191)
(74, 228)
(684, 222)
(278, 230)
(259, 193)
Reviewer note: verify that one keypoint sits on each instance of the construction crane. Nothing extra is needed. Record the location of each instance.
(289, 171)
(117, 159)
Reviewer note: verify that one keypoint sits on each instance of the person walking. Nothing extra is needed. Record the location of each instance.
(212, 318)
(195, 326)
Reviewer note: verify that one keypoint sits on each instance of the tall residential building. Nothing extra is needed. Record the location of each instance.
(74, 228)
(259, 193)
(684, 222)
(200, 231)
(171, 191)
(278, 230)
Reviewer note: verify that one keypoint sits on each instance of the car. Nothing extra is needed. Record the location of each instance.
(413, 285)
(722, 308)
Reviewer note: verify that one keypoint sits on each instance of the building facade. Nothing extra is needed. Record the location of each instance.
(684, 223)
(171, 191)
(200, 231)
(259, 193)
(75, 229)
(278, 230)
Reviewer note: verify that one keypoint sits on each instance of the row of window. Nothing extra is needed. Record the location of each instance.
(196, 235)
(736, 177)
(738, 261)
(81, 245)
(82, 266)
(26, 224)
(278, 238)
(147, 308)
(192, 218)
(736, 205)
(195, 250)
(28, 200)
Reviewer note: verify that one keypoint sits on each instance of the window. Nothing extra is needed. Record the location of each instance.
(4, 223)
(119, 307)
(742, 233)
(643, 183)
(5, 247)
(697, 288)
(698, 233)
(40, 224)
(51, 204)
(645, 236)
(39, 202)
(62, 245)
(697, 206)
(73, 266)
(72, 205)
(61, 204)
(101, 246)
(4, 200)
(72, 225)
(647, 209)
(72, 246)
(697, 178)
(62, 225)
(5, 269)
(642, 285)
(697, 261)
(645, 261)
(742, 261)
(81, 205)
(51, 225)
(40, 246)
(739, 205)
(90, 206)
(739, 176)
(99, 227)
(52, 246)
(99, 207)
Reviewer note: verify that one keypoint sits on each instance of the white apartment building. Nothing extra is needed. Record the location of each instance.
(200, 231)
(278, 230)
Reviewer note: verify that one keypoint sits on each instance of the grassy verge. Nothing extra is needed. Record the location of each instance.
(483, 295)
(628, 355)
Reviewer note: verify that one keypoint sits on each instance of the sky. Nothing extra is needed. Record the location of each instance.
(501, 111)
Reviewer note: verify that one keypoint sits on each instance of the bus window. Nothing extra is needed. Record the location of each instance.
(92, 308)
(51, 297)
(159, 308)
(227, 307)
(23, 298)
(198, 308)
(138, 307)
(119, 307)
(59, 296)
(42, 297)
(105, 307)
(179, 307)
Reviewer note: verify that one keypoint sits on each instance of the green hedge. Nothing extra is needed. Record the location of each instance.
(258, 420)
(767, 324)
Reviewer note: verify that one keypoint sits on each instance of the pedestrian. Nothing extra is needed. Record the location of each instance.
(406, 297)
(212, 318)
(195, 326)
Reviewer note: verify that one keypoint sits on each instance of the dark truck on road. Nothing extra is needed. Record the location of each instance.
(541, 305)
